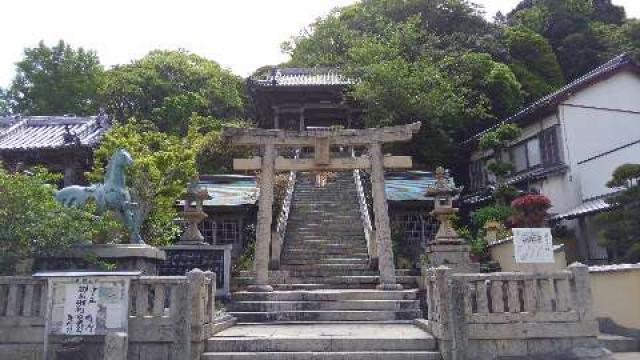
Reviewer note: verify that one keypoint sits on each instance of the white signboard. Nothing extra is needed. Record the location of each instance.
(533, 246)
(89, 305)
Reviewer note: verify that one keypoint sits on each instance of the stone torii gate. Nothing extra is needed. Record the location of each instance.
(321, 141)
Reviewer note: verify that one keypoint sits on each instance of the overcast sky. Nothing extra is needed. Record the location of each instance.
(239, 34)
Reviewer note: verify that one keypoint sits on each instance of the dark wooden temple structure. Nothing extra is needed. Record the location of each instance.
(302, 98)
(62, 144)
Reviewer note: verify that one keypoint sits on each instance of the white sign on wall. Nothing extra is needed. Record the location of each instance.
(88, 305)
(533, 246)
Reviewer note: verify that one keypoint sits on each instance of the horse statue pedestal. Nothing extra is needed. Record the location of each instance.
(112, 257)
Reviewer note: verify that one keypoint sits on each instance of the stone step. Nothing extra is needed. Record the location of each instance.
(306, 255)
(326, 267)
(325, 315)
(619, 344)
(351, 305)
(348, 355)
(320, 251)
(325, 295)
(306, 284)
(322, 341)
(331, 272)
(352, 280)
(329, 261)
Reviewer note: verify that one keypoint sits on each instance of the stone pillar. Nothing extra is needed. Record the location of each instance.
(383, 230)
(265, 214)
(302, 125)
(583, 299)
(196, 279)
(116, 346)
(69, 177)
(276, 117)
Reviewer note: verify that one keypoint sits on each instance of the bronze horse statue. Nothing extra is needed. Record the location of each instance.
(111, 195)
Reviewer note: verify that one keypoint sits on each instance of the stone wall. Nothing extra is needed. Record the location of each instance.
(169, 319)
(616, 290)
(502, 253)
(512, 315)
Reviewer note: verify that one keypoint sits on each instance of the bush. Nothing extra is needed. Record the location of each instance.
(33, 223)
(530, 210)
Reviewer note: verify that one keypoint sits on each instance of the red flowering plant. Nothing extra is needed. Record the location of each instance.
(530, 210)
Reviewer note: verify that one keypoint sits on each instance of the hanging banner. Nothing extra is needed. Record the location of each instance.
(533, 246)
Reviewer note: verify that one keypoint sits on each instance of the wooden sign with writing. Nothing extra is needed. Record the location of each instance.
(88, 306)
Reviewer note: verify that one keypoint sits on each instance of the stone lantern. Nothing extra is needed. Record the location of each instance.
(192, 213)
(443, 192)
(447, 248)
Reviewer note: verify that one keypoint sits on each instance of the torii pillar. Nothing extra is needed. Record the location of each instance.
(321, 141)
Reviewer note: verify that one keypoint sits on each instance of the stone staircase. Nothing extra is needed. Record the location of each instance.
(326, 307)
(325, 251)
(335, 341)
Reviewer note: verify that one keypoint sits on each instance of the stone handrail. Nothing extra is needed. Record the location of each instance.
(464, 309)
(169, 316)
(277, 238)
(23, 301)
(369, 232)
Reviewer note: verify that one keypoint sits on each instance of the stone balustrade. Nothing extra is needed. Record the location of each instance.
(277, 238)
(369, 232)
(510, 314)
(170, 317)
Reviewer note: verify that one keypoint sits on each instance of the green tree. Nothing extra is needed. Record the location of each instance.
(163, 164)
(434, 61)
(167, 87)
(214, 154)
(533, 62)
(56, 80)
(32, 222)
(497, 142)
(5, 107)
(620, 225)
(567, 25)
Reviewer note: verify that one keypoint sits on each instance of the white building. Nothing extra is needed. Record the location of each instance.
(571, 142)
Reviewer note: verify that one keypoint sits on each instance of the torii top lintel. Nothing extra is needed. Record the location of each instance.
(344, 137)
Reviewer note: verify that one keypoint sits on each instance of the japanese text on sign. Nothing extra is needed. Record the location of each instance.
(533, 246)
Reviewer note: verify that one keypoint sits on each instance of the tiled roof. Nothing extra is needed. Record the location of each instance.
(535, 174)
(230, 190)
(552, 100)
(302, 77)
(409, 185)
(51, 132)
(586, 208)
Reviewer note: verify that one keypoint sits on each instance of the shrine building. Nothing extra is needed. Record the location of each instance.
(62, 144)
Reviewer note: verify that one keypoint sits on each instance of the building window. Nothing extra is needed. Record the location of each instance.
(478, 175)
(208, 230)
(417, 228)
(220, 231)
(228, 232)
(549, 146)
(526, 155)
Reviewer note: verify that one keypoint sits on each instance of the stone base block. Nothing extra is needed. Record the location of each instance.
(581, 348)
(455, 257)
(118, 257)
(260, 288)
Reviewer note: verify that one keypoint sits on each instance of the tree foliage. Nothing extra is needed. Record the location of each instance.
(435, 61)
(621, 224)
(163, 164)
(32, 222)
(167, 87)
(533, 62)
(56, 80)
(575, 29)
